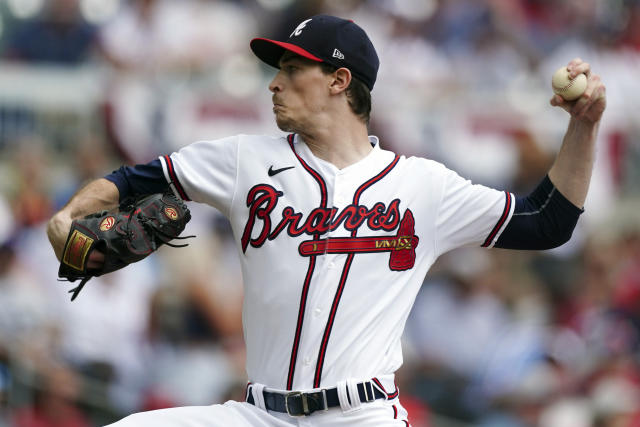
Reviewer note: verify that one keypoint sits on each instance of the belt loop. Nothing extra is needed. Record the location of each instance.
(369, 386)
(257, 391)
(348, 396)
(341, 388)
(352, 387)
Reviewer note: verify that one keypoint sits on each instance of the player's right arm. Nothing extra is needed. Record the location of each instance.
(96, 196)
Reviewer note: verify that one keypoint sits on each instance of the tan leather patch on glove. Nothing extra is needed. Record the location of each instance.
(76, 250)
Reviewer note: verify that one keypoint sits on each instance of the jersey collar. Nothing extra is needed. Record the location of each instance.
(369, 161)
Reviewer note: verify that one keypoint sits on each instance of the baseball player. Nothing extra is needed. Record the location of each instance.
(335, 233)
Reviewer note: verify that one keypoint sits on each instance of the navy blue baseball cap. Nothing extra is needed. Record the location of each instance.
(323, 38)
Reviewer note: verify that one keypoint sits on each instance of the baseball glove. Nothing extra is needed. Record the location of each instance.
(124, 236)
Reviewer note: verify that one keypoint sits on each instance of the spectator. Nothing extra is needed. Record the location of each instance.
(59, 35)
(55, 402)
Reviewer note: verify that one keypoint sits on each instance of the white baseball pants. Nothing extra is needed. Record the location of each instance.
(380, 413)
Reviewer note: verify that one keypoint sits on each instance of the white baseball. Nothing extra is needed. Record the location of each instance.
(569, 89)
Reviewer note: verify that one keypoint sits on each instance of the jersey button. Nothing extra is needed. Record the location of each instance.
(317, 311)
(307, 361)
(332, 265)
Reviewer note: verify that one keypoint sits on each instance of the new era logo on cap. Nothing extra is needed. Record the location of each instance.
(323, 38)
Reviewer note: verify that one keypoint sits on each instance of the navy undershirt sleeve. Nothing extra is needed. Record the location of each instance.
(544, 219)
(139, 179)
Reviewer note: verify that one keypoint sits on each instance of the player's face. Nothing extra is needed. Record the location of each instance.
(300, 93)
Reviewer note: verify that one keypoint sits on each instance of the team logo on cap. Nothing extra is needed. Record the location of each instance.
(299, 28)
(107, 223)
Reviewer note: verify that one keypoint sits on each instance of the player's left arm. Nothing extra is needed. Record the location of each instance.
(141, 179)
(571, 171)
(547, 217)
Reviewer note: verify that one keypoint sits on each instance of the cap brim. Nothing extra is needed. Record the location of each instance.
(270, 51)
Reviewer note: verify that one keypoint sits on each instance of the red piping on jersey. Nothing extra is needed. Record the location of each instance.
(503, 218)
(389, 395)
(395, 412)
(312, 264)
(316, 175)
(343, 279)
(174, 178)
(296, 340)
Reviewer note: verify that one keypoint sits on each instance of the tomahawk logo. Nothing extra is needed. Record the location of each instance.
(299, 28)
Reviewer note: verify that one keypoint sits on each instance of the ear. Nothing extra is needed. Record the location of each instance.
(341, 81)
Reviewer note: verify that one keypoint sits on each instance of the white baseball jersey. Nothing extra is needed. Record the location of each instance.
(332, 259)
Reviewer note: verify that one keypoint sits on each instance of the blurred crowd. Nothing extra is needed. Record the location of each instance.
(496, 338)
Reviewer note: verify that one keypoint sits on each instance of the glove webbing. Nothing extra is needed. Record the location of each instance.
(150, 226)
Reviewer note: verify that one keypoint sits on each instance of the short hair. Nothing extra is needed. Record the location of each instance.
(358, 94)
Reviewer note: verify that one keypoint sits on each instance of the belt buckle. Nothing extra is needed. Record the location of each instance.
(305, 404)
(324, 400)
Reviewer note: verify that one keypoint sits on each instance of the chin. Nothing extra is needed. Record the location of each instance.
(284, 125)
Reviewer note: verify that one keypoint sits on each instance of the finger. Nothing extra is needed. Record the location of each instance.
(579, 68)
(596, 105)
(575, 61)
(602, 92)
(96, 260)
(558, 101)
(97, 255)
(600, 97)
(587, 99)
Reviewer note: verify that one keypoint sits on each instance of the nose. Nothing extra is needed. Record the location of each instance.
(276, 84)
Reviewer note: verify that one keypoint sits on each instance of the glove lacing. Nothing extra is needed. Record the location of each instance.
(150, 227)
(153, 230)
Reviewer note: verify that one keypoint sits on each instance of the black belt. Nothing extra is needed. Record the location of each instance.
(297, 403)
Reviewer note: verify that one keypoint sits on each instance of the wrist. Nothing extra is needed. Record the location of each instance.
(583, 124)
(582, 131)
(61, 218)
(57, 231)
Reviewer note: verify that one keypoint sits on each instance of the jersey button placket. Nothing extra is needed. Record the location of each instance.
(338, 203)
(340, 196)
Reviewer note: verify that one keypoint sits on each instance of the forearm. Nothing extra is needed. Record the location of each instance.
(571, 171)
(544, 219)
(96, 196)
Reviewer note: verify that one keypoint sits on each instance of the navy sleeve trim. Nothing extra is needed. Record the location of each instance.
(171, 171)
(501, 221)
(139, 179)
(118, 178)
(544, 219)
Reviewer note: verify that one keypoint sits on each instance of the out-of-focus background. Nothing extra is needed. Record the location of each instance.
(496, 338)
